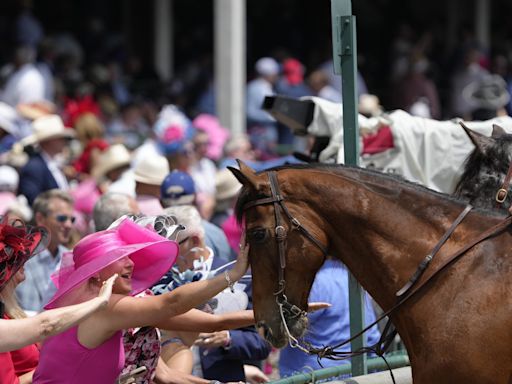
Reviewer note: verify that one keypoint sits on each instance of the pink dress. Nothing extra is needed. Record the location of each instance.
(63, 360)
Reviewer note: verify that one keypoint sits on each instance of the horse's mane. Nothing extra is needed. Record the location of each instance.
(246, 195)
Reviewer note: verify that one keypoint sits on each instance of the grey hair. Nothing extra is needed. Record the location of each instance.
(109, 208)
(42, 201)
(235, 142)
(189, 216)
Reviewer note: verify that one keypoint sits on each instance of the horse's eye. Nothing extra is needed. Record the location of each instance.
(258, 235)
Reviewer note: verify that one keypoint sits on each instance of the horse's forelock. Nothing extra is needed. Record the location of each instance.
(246, 195)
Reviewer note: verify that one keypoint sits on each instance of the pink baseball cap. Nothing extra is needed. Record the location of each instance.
(152, 254)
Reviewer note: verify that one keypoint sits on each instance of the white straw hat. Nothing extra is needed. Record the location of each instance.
(115, 156)
(151, 170)
(47, 128)
(226, 184)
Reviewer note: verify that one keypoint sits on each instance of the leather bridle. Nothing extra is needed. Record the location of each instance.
(502, 193)
(287, 310)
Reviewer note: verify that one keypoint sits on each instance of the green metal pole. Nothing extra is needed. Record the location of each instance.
(374, 364)
(345, 63)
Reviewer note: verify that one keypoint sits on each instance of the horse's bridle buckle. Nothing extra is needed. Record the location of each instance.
(501, 195)
(280, 232)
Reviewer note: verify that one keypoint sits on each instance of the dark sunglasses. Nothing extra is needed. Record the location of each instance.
(64, 218)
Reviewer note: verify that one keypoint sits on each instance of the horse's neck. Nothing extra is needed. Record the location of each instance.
(380, 232)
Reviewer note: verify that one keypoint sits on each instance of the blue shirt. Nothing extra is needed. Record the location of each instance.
(38, 286)
(328, 326)
(215, 238)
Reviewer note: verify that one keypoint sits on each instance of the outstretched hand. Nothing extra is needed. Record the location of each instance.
(316, 306)
(106, 289)
(242, 261)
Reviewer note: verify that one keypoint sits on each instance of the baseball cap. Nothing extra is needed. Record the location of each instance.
(178, 188)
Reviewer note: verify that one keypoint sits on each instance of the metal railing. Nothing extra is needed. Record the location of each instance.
(395, 360)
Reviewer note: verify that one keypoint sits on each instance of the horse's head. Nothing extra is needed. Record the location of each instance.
(485, 168)
(283, 255)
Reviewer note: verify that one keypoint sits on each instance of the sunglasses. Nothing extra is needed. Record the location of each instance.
(64, 218)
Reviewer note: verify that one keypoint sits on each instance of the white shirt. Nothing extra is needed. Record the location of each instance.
(26, 85)
(203, 172)
(54, 168)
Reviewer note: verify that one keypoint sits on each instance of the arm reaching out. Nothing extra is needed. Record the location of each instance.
(17, 333)
(128, 312)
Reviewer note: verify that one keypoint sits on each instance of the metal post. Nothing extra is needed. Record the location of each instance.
(230, 62)
(482, 23)
(345, 63)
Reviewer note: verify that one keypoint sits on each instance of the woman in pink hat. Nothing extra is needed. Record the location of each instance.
(18, 334)
(92, 352)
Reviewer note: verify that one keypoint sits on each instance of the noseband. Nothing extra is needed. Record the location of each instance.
(286, 309)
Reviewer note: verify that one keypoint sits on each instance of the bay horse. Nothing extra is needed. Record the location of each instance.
(458, 330)
(485, 169)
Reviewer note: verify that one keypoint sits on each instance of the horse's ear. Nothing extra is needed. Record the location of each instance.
(480, 141)
(497, 131)
(245, 174)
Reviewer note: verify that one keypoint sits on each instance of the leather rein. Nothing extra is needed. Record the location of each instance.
(289, 310)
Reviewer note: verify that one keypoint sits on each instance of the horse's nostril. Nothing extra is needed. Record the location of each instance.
(263, 329)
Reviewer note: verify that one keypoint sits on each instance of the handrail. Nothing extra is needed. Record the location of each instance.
(374, 364)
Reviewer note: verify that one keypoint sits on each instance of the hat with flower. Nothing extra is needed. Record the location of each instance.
(172, 130)
(18, 242)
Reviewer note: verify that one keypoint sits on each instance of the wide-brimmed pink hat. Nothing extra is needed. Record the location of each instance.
(152, 254)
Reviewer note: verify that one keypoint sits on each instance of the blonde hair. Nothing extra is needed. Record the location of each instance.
(8, 297)
(88, 127)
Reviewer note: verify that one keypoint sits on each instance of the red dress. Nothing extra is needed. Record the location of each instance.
(7, 372)
(83, 163)
(25, 359)
(22, 361)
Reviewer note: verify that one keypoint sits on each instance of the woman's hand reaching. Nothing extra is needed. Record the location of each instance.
(106, 289)
(242, 261)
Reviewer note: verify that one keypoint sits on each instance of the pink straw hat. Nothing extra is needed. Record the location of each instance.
(152, 254)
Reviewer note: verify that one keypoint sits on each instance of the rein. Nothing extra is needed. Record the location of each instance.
(403, 295)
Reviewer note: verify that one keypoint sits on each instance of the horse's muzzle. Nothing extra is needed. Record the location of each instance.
(275, 332)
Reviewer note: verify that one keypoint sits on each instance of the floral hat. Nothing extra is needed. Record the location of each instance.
(172, 130)
(152, 255)
(18, 243)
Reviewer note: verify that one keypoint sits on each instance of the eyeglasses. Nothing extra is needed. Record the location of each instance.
(182, 241)
(64, 218)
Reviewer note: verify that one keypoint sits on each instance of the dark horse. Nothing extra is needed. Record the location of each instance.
(458, 330)
(485, 169)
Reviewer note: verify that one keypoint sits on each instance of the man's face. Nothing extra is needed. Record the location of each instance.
(59, 221)
(190, 250)
(54, 146)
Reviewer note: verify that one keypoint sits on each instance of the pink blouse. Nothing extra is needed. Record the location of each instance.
(63, 360)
